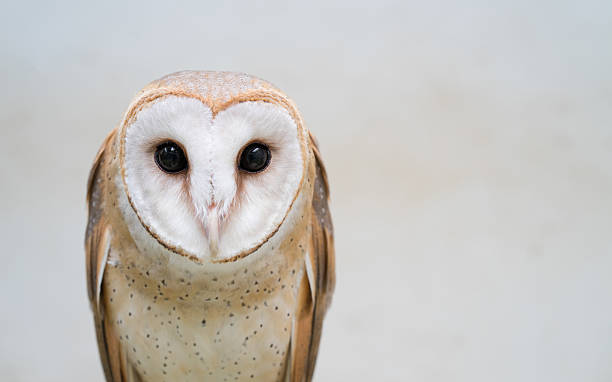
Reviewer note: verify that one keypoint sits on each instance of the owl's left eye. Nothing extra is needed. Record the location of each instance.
(254, 158)
(170, 157)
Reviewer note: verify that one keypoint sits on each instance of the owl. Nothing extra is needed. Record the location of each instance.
(209, 245)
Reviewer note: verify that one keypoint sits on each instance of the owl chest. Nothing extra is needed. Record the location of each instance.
(176, 330)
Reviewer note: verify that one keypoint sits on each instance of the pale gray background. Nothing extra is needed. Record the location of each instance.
(469, 147)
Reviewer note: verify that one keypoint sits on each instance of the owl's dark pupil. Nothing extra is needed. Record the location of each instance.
(170, 157)
(255, 157)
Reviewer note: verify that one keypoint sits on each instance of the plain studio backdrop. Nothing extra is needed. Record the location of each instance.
(469, 147)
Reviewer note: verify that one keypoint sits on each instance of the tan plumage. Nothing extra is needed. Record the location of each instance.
(164, 313)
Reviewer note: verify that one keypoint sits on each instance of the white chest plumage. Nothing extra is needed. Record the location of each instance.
(236, 327)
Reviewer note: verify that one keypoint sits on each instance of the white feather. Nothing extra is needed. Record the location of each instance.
(178, 208)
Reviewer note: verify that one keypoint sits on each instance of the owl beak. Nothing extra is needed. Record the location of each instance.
(211, 226)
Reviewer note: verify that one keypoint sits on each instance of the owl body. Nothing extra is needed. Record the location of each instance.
(180, 290)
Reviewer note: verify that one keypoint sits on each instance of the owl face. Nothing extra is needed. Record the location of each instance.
(212, 186)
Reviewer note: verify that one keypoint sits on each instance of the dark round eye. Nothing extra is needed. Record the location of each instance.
(255, 157)
(170, 157)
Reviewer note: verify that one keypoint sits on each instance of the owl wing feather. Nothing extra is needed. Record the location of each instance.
(97, 247)
(317, 284)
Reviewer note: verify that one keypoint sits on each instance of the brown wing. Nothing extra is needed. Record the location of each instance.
(317, 285)
(97, 246)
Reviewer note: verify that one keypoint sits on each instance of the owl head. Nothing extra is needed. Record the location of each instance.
(211, 163)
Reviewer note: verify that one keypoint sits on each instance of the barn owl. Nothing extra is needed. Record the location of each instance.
(209, 244)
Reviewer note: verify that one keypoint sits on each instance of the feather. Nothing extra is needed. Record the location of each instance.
(317, 285)
(97, 247)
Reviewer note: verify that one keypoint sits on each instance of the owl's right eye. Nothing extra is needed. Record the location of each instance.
(170, 157)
